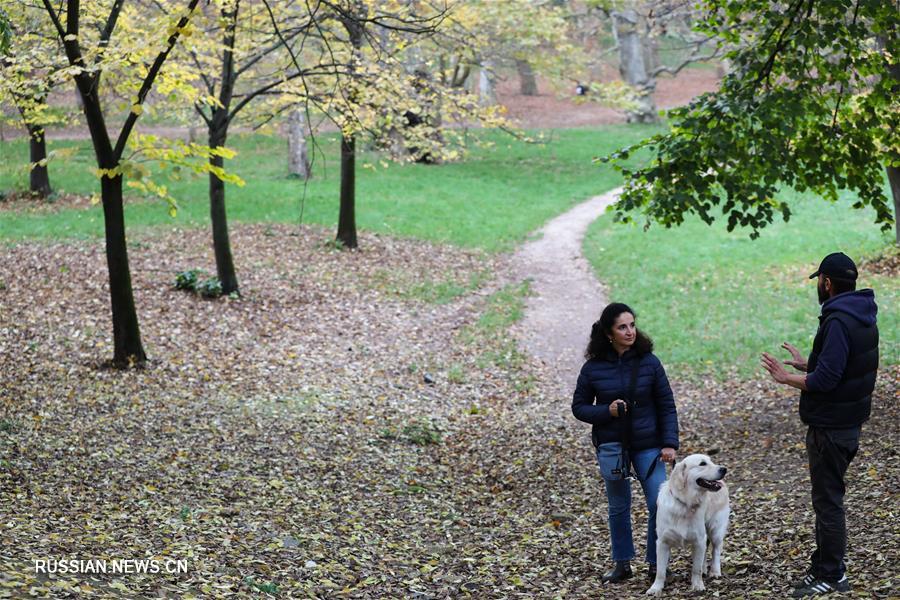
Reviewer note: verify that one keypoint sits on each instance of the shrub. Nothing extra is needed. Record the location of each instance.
(422, 433)
(210, 288)
(187, 280)
(198, 281)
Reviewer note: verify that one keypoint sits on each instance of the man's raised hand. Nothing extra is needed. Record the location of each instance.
(797, 360)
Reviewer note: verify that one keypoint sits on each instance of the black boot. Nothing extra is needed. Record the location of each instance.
(620, 572)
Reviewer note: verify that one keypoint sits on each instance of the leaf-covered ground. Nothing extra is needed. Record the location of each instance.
(289, 443)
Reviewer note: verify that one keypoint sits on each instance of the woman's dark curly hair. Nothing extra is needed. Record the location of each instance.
(600, 346)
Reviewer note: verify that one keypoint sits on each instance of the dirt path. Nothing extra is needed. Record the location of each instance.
(566, 297)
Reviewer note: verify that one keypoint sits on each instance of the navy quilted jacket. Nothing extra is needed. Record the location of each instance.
(654, 422)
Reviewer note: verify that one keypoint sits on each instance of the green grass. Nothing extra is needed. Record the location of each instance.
(441, 290)
(488, 336)
(504, 308)
(491, 200)
(713, 301)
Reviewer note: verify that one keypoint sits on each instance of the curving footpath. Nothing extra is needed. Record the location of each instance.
(565, 298)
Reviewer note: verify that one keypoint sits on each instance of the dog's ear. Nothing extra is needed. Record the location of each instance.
(684, 475)
(679, 477)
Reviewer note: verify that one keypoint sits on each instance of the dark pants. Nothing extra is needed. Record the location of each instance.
(830, 452)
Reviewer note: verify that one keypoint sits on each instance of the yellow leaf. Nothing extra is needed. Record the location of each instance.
(137, 109)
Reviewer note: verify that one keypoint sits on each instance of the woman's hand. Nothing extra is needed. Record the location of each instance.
(618, 408)
(668, 455)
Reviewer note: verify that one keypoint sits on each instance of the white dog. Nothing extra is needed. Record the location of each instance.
(692, 508)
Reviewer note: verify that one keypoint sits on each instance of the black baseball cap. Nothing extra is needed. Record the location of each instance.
(837, 265)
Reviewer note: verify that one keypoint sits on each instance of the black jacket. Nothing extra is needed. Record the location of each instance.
(654, 421)
(843, 363)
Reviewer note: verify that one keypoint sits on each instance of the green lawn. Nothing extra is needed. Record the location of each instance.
(714, 300)
(492, 200)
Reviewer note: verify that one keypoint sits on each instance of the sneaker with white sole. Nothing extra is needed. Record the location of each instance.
(807, 580)
(820, 587)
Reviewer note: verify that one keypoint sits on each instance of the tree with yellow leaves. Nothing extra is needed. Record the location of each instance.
(248, 53)
(349, 73)
(133, 61)
(28, 74)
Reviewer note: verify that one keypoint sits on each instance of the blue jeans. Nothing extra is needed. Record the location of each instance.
(618, 494)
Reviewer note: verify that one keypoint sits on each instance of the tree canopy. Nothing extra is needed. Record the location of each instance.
(5, 31)
(811, 102)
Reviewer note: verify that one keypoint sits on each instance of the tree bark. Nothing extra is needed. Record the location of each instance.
(218, 133)
(723, 68)
(128, 350)
(633, 66)
(893, 172)
(894, 179)
(40, 178)
(298, 155)
(527, 82)
(218, 217)
(126, 332)
(346, 233)
(459, 76)
(487, 93)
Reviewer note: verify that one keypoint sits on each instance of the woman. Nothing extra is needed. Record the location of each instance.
(623, 392)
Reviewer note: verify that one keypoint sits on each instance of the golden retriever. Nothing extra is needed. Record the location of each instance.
(692, 508)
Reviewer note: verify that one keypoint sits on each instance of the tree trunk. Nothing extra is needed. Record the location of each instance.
(893, 172)
(527, 82)
(298, 156)
(459, 75)
(894, 179)
(723, 68)
(218, 133)
(221, 242)
(126, 333)
(487, 93)
(128, 350)
(40, 178)
(346, 233)
(633, 67)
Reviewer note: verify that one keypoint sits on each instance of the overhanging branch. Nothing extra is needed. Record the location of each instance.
(151, 77)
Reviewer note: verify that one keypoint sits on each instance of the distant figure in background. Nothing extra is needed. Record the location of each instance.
(623, 392)
(835, 400)
(581, 89)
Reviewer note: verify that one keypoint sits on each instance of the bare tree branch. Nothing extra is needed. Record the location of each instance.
(695, 56)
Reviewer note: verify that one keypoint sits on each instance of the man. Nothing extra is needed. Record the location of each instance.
(835, 400)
